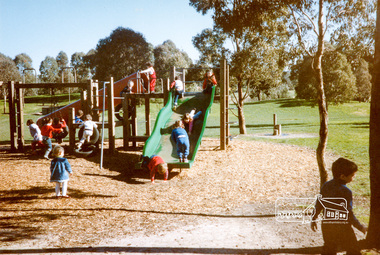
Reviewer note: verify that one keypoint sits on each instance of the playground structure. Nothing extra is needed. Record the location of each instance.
(91, 104)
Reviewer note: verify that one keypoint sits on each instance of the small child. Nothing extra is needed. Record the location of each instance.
(60, 170)
(180, 137)
(47, 133)
(178, 90)
(189, 118)
(61, 124)
(155, 164)
(35, 132)
(89, 126)
(339, 233)
(78, 117)
(209, 82)
(152, 76)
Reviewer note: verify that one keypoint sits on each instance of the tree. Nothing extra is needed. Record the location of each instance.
(49, 70)
(168, 55)
(373, 235)
(310, 24)
(78, 62)
(122, 53)
(27, 72)
(8, 70)
(210, 44)
(243, 22)
(339, 79)
(363, 81)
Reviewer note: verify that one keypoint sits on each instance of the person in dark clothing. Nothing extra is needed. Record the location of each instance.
(338, 233)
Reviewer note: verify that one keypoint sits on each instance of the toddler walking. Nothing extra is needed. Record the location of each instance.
(89, 126)
(60, 170)
(181, 138)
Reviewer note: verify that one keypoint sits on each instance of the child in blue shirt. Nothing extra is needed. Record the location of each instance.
(339, 233)
(181, 138)
(60, 170)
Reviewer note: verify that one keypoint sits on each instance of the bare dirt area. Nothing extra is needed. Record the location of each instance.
(224, 204)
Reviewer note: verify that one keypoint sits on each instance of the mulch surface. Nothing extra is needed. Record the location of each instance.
(119, 201)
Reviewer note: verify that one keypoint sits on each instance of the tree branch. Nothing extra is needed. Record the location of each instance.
(299, 32)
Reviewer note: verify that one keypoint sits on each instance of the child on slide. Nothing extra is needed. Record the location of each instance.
(181, 138)
(189, 118)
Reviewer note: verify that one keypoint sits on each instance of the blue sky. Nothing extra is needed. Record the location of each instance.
(43, 28)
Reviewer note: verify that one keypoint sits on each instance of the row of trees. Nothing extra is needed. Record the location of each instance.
(118, 55)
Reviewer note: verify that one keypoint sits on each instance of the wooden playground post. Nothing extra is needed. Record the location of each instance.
(20, 117)
(95, 101)
(166, 91)
(12, 115)
(147, 115)
(111, 117)
(72, 129)
(126, 122)
(227, 96)
(223, 108)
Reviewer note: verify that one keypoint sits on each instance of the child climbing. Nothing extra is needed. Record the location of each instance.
(155, 164)
(209, 82)
(181, 138)
(78, 117)
(189, 118)
(152, 76)
(35, 132)
(178, 90)
(47, 133)
(89, 126)
(60, 170)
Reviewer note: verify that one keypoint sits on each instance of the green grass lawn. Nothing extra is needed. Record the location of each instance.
(348, 127)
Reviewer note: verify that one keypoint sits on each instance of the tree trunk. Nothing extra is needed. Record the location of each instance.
(322, 106)
(373, 235)
(242, 127)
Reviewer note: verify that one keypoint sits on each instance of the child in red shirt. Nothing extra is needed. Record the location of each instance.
(47, 133)
(155, 164)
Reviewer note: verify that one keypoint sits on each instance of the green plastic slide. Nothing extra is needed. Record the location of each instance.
(160, 143)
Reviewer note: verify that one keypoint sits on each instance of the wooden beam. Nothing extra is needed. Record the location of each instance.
(51, 85)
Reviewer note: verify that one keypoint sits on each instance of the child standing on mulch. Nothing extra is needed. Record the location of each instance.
(47, 133)
(35, 132)
(337, 232)
(181, 138)
(155, 164)
(60, 170)
(89, 126)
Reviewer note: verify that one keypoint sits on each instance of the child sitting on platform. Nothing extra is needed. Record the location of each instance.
(60, 123)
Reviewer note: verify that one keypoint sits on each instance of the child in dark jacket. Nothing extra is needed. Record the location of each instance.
(336, 232)
(155, 164)
(47, 133)
(189, 118)
(60, 170)
(181, 138)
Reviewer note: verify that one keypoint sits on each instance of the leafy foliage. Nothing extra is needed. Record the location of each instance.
(120, 54)
(167, 55)
(8, 70)
(363, 81)
(49, 70)
(339, 79)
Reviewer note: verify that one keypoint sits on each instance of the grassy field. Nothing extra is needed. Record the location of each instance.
(348, 127)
